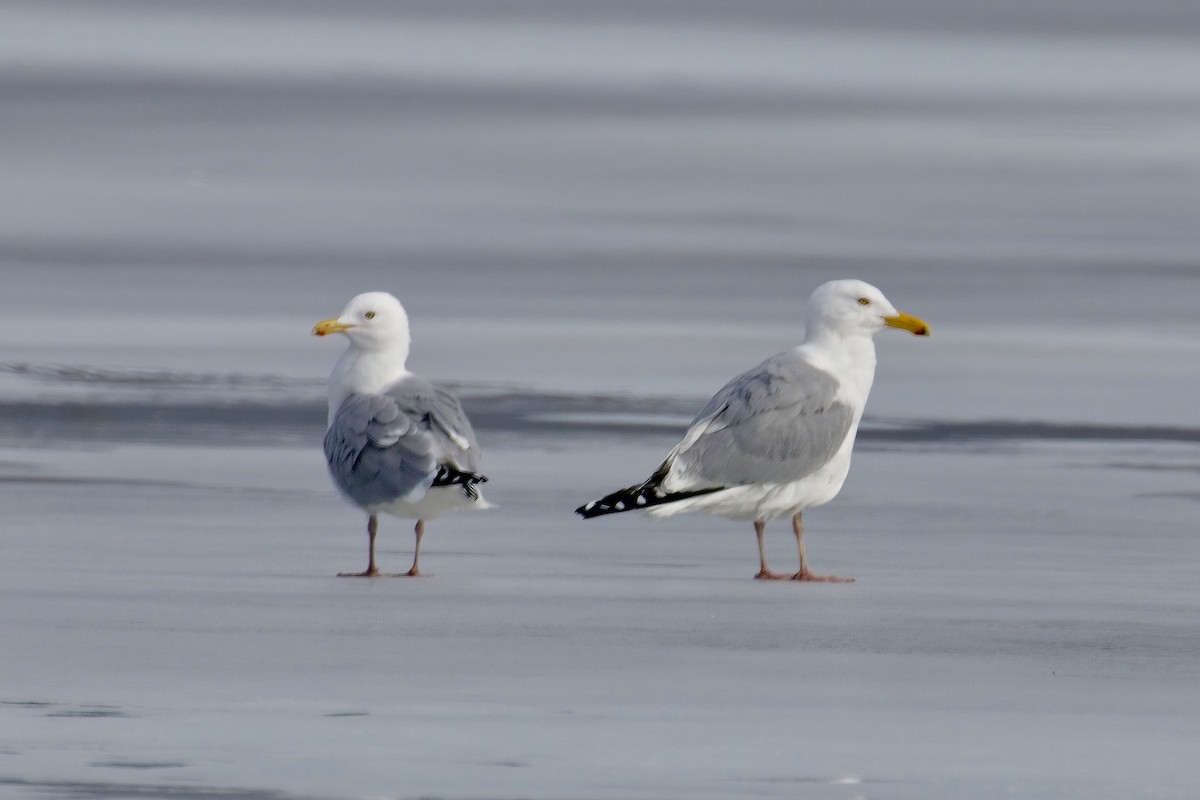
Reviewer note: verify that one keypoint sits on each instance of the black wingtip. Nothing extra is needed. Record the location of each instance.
(633, 498)
(448, 476)
(598, 508)
(612, 504)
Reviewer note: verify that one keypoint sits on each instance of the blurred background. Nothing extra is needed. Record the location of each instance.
(611, 197)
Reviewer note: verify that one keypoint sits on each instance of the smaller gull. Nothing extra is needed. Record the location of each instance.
(395, 443)
(777, 439)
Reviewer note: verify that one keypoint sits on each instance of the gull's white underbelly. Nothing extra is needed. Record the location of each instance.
(767, 501)
(437, 501)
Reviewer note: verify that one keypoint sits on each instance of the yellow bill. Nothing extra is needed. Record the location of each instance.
(328, 326)
(909, 323)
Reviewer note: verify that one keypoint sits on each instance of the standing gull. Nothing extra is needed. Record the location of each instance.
(395, 443)
(777, 439)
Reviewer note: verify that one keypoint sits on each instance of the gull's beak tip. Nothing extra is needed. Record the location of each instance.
(907, 322)
(328, 326)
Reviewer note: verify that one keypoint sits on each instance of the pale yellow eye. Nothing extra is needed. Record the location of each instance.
(862, 301)
(371, 314)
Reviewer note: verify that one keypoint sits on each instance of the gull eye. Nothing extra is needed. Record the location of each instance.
(369, 315)
(862, 301)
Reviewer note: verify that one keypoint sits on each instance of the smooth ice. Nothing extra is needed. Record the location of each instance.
(1017, 628)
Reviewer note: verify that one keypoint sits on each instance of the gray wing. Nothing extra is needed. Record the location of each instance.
(386, 447)
(442, 416)
(775, 423)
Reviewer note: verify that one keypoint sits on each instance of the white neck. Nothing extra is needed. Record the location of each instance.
(852, 356)
(361, 371)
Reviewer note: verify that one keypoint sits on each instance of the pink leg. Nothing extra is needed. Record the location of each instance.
(764, 574)
(419, 531)
(805, 574)
(371, 571)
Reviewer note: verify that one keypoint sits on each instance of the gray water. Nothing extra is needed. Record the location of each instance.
(596, 213)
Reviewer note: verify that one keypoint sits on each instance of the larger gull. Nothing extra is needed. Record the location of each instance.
(777, 439)
(395, 443)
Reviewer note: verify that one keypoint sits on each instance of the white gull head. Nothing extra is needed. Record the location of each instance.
(377, 327)
(850, 308)
(843, 318)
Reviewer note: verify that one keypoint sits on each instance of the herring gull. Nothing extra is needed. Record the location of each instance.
(777, 439)
(395, 444)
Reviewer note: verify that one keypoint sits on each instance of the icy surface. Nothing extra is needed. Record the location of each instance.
(1023, 624)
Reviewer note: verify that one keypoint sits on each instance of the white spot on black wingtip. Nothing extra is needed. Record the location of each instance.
(590, 506)
(447, 476)
(620, 506)
(641, 500)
